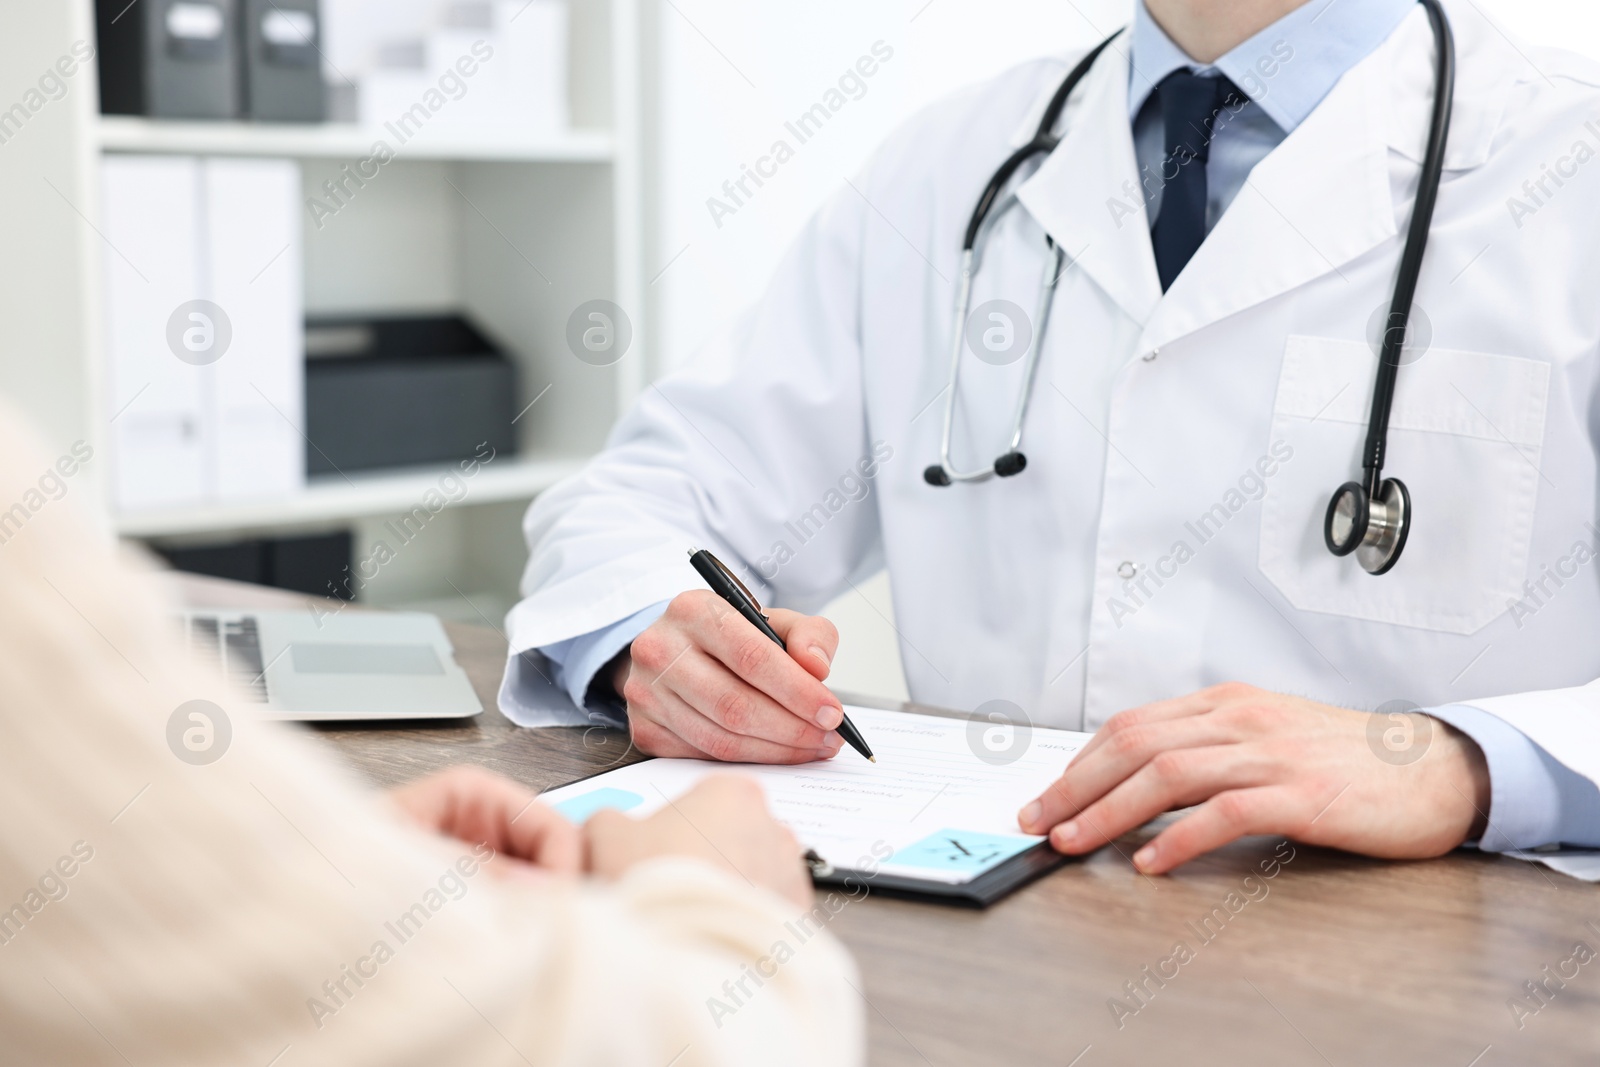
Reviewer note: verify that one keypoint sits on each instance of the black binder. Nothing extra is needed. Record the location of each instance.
(282, 50)
(169, 58)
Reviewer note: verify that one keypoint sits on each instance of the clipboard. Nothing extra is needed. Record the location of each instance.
(935, 819)
(994, 884)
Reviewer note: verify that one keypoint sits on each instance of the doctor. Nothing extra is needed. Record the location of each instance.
(1224, 220)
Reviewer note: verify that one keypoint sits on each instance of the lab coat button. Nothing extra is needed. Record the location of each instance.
(1150, 355)
(1127, 569)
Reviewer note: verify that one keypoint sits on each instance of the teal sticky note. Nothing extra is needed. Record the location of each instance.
(963, 851)
(583, 805)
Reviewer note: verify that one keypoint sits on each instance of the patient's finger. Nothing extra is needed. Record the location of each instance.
(479, 807)
(544, 837)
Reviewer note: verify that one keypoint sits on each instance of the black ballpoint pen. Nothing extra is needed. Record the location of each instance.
(727, 585)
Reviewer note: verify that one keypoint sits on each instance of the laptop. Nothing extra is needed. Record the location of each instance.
(353, 665)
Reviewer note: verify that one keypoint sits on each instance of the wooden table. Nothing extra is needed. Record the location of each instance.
(1336, 960)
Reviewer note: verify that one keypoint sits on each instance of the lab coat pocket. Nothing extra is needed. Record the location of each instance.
(1465, 435)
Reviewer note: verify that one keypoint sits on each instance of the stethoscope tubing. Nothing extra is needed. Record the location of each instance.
(1398, 323)
(1041, 318)
(1372, 517)
(1044, 142)
(1047, 287)
(963, 308)
(1388, 531)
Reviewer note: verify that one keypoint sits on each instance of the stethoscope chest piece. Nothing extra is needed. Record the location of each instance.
(1375, 530)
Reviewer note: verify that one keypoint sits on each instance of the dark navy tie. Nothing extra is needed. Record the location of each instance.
(1189, 107)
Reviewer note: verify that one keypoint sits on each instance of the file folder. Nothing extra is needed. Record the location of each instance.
(169, 58)
(204, 329)
(152, 230)
(252, 248)
(282, 53)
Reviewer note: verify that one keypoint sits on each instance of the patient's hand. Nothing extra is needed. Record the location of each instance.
(723, 821)
(1262, 763)
(479, 807)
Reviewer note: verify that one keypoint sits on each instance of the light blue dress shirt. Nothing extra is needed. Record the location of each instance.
(1286, 70)
(1535, 799)
(577, 660)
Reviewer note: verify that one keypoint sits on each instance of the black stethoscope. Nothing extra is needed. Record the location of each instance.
(1370, 517)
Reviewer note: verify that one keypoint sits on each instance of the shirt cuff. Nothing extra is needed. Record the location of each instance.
(1535, 799)
(577, 660)
(529, 695)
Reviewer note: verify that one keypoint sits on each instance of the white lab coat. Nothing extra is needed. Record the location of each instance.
(1191, 439)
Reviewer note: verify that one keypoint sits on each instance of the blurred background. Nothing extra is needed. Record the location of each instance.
(333, 289)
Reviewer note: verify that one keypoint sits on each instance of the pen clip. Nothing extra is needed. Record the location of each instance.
(734, 578)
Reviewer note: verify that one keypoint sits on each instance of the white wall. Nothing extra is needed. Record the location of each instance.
(1571, 24)
(733, 71)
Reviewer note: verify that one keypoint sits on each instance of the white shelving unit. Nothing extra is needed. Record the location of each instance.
(123, 133)
(331, 498)
(516, 232)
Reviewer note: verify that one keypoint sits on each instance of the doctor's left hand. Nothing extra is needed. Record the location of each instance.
(1261, 763)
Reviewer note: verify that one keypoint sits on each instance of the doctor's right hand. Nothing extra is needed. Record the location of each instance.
(704, 683)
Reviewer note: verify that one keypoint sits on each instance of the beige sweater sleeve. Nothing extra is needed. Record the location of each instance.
(262, 909)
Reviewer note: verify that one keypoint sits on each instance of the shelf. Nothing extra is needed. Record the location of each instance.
(334, 498)
(122, 133)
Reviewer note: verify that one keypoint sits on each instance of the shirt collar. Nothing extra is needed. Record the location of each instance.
(1287, 68)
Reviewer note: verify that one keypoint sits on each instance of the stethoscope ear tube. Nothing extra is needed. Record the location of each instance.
(1012, 461)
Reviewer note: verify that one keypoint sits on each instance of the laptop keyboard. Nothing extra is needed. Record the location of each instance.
(235, 641)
